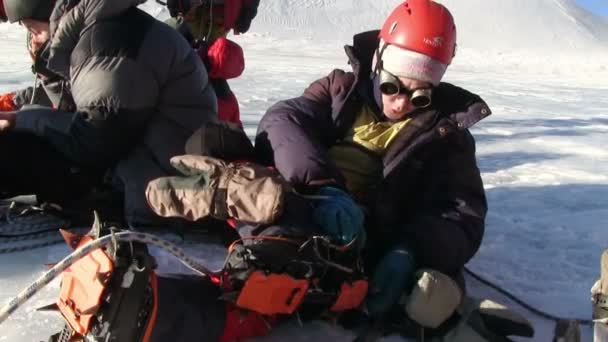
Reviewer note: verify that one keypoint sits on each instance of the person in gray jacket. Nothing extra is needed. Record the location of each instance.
(134, 92)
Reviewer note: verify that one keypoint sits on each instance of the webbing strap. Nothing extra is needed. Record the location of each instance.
(600, 307)
(220, 196)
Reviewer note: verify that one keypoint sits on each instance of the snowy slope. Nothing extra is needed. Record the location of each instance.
(518, 35)
(558, 25)
(542, 153)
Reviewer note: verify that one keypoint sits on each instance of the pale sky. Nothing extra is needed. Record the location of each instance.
(597, 6)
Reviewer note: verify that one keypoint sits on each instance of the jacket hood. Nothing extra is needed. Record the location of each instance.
(361, 53)
(72, 17)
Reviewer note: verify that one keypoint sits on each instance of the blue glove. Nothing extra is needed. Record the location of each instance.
(393, 275)
(338, 215)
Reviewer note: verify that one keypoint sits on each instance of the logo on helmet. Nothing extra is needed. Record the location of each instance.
(435, 42)
(393, 27)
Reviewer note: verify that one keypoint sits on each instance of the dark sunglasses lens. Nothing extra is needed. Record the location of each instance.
(389, 84)
(389, 88)
(421, 101)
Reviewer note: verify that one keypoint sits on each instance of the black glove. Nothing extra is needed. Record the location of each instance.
(248, 12)
(178, 7)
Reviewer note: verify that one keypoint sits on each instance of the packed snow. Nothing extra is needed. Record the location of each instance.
(541, 65)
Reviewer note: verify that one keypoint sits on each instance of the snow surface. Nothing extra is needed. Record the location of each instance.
(542, 67)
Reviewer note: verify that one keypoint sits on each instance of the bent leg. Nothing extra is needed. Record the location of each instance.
(189, 309)
(31, 165)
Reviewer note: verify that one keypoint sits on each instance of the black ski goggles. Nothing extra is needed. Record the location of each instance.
(391, 85)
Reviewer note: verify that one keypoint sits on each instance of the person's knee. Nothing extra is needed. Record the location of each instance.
(434, 298)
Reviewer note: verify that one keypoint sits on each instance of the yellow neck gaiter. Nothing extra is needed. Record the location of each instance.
(359, 155)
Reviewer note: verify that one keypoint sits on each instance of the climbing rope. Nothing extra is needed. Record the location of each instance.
(27, 227)
(523, 304)
(81, 252)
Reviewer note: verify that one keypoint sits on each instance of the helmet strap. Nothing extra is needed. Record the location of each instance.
(379, 52)
(210, 29)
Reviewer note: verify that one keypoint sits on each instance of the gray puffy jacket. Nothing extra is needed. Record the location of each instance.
(139, 89)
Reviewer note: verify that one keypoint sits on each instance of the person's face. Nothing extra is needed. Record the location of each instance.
(39, 31)
(397, 106)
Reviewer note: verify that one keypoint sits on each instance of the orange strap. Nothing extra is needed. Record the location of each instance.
(82, 287)
(351, 296)
(272, 294)
(154, 313)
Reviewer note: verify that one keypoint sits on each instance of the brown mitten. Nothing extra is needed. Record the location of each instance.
(246, 192)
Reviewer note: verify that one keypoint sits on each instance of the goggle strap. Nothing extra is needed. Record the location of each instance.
(379, 52)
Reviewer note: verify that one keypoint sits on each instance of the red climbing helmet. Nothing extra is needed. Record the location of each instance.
(423, 26)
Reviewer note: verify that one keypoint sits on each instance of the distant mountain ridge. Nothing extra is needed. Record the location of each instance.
(493, 25)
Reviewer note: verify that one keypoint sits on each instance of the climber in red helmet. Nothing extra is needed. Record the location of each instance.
(388, 146)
